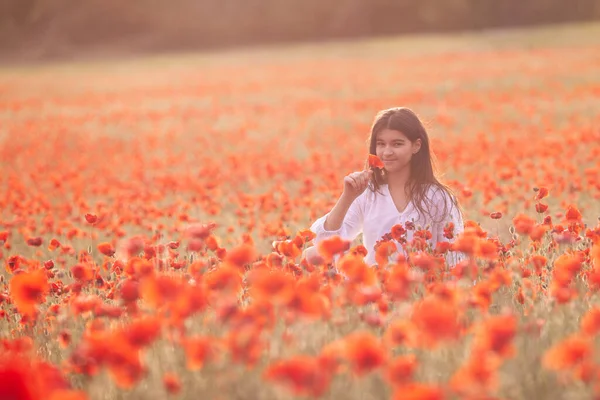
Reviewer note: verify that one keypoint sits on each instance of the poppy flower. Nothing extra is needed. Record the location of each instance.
(330, 247)
(200, 231)
(479, 375)
(271, 285)
(496, 215)
(356, 270)
(133, 246)
(159, 290)
(398, 232)
(141, 332)
(106, 248)
(523, 224)
(375, 162)
(28, 289)
(245, 345)
(172, 383)
(401, 369)
(303, 374)
(54, 244)
(573, 214)
(383, 252)
(82, 272)
(35, 241)
(436, 320)
(497, 334)
(541, 193)
(448, 231)
(590, 324)
(570, 352)
(287, 248)
(364, 352)
(130, 291)
(198, 351)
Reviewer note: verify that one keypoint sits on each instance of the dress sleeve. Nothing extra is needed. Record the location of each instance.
(351, 226)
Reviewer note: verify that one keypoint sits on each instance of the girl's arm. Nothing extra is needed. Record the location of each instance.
(344, 220)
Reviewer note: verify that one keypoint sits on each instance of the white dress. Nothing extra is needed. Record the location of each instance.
(374, 215)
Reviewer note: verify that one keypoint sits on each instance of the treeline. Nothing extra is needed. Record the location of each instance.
(61, 28)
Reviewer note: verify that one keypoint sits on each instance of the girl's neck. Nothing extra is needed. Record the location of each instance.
(398, 180)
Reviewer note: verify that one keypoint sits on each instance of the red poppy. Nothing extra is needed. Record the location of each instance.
(436, 320)
(523, 224)
(141, 332)
(496, 334)
(541, 193)
(35, 241)
(303, 373)
(365, 352)
(541, 207)
(91, 218)
(172, 383)
(398, 232)
(400, 370)
(53, 245)
(573, 214)
(106, 248)
(570, 352)
(198, 351)
(330, 247)
(28, 289)
(276, 286)
(375, 162)
(590, 324)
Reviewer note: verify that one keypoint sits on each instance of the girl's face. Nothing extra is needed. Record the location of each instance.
(395, 149)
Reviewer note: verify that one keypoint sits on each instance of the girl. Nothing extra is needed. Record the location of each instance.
(405, 190)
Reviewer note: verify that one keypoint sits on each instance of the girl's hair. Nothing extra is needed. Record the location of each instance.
(422, 176)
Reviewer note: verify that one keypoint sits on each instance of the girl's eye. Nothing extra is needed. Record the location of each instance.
(396, 144)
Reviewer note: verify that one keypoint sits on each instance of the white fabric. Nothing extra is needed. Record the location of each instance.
(374, 215)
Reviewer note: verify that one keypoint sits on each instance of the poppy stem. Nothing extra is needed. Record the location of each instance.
(91, 239)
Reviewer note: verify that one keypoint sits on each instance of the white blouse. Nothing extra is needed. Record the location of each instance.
(374, 215)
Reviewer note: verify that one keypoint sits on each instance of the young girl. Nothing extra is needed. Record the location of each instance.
(405, 190)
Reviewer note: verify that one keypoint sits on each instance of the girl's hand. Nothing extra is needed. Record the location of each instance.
(356, 183)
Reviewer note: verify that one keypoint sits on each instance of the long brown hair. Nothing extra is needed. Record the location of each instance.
(422, 175)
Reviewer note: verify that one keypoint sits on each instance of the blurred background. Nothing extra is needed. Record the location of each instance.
(33, 30)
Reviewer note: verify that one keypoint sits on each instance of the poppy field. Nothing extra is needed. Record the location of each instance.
(154, 213)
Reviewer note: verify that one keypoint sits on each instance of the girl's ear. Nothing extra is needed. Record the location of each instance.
(416, 146)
